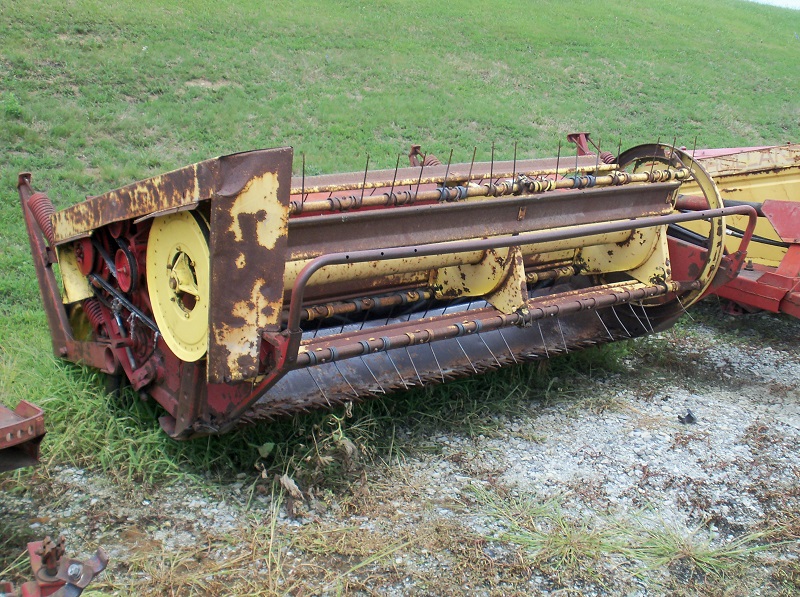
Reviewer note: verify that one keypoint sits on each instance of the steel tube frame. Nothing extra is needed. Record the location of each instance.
(298, 290)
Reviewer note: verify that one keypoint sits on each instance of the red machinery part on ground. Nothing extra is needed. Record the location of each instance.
(54, 574)
(21, 432)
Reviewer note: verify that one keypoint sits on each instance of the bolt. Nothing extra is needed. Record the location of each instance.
(74, 572)
(173, 283)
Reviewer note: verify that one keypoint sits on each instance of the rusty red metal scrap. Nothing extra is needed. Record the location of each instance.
(55, 574)
(21, 432)
(229, 291)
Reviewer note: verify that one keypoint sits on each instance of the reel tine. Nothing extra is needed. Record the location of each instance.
(400, 375)
(614, 311)
(347, 381)
(421, 383)
(471, 364)
(511, 352)
(437, 362)
(316, 383)
(641, 323)
(647, 319)
(561, 331)
(380, 387)
(544, 344)
(610, 335)
(489, 349)
(684, 308)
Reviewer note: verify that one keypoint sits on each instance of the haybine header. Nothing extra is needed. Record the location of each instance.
(229, 291)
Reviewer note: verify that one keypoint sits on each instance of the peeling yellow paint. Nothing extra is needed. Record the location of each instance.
(76, 286)
(259, 198)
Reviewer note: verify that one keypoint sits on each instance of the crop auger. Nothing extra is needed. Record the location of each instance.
(229, 291)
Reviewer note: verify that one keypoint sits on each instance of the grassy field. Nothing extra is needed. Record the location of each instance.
(94, 95)
(98, 94)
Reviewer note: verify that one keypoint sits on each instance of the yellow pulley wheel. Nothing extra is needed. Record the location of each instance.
(178, 282)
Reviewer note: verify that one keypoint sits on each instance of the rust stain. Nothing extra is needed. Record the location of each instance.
(248, 240)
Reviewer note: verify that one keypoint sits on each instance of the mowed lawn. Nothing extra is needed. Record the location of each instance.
(96, 94)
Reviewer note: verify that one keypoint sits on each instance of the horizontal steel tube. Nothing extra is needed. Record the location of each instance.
(461, 324)
(361, 270)
(479, 171)
(615, 178)
(318, 263)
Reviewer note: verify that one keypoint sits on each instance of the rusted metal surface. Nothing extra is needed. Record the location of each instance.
(55, 574)
(229, 291)
(516, 184)
(224, 176)
(21, 432)
(768, 179)
(456, 173)
(248, 253)
(43, 259)
(316, 235)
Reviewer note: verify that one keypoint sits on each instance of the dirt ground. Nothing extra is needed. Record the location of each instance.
(598, 489)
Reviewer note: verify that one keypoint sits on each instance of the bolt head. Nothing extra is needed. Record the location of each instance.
(74, 571)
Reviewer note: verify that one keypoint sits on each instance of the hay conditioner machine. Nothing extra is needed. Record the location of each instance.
(229, 291)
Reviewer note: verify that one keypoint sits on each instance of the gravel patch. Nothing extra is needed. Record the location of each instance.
(612, 455)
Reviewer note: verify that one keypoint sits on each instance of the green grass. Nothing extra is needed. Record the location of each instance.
(570, 550)
(94, 95)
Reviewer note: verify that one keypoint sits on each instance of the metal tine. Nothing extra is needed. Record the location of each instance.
(471, 364)
(303, 185)
(380, 386)
(561, 331)
(694, 148)
(647, 319)
(392, 198)
(653, 165)
(471, 164)
(558, 157)
(491, 166)
(344, 377)
(400, 375)
(614, 311)
(364, 321)
(544, 344)
(489, 349)
(421, 170)
(319, 325)
(597, 160)
(511, 352)
(447, 170)
(364, 184)
(684, 308)
(436, 360)
(576, 159)
(408, 352)
(641, 323)
(319, 387)
(514, 175)
(469, 306)
(610, 335)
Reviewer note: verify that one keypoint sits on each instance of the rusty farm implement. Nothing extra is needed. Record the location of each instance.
(229, 291)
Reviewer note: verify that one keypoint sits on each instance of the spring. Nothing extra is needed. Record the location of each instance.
(94, 313)
(607, 157)
(431, 160)
(42, 209)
